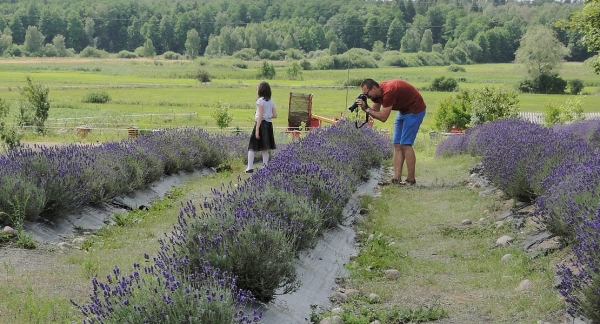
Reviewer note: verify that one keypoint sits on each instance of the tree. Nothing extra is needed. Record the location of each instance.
(394, 34)
(148, 49)
(541, 53)
(426, 41)
(90, 31)
(5, 43)
(60, 46)
(52, 23)
(411, 41)
(10, 137)
(36, 99)
(294, 72)
(17, 29)
(76, 37)
(587, 22)
(34, 42)
(332, 48)
(192, 44)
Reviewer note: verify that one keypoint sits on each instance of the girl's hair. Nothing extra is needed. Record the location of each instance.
(264, 90)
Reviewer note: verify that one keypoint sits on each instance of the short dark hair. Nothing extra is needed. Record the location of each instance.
(264, 90)
(370, 83)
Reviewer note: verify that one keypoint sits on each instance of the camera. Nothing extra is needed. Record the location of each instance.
(354, 105)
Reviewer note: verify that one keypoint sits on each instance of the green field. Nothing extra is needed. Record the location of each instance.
(152, 94)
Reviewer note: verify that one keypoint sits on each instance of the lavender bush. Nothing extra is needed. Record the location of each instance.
(580, 284)
(161, 293)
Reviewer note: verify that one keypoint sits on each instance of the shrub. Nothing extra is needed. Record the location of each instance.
(545, 83)
(575, 86)
(278, 55)
(202, 76)
(492, 103)
(266, 70)
(444, 84)
(240, 64)
(456, 68)
(170, 55)
(294, 71)
(126, 54)
(305, 64)
(454, 111)
(97, 97)
(93, 52)
(571, 111)
(246, 54)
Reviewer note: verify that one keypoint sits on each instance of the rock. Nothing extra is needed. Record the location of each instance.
(506, 258)
(392, 274)
(499, 224)
(504, 240)
(339, 297)
(373, 297)
(525, 285)
(351, 292)
(9, 230)
(331, 320)
(482, 219)
(375, 322)
(466, 222)
(64, 245)
(371, 238)
(78, 240)
(337, 310)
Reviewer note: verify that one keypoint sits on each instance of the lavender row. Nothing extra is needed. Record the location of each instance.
(256, 228)
(46, 181)
(239, 245)
(559, 168)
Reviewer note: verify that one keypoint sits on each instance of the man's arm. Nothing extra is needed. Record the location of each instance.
(378, 112)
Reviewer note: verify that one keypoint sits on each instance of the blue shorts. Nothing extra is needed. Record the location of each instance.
(406, 127)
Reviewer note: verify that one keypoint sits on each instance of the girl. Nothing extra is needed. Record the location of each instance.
(262, 138)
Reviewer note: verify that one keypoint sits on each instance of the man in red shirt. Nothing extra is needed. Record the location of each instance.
(403, 97)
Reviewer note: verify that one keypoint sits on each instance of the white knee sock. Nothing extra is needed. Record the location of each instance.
(250, 159)
(265, 156)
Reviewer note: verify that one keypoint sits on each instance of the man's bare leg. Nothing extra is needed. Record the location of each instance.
(411, 160)
(399, 156)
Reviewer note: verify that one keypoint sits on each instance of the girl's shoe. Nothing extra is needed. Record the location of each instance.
(408, 182)
(249, 171)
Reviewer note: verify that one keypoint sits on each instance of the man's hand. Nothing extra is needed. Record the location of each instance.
(363, 104)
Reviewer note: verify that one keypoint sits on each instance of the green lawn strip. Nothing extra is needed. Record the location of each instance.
(42, 294)
(443, 264)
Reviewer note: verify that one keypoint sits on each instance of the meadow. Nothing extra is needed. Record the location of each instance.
(468, 281)
(153, 94)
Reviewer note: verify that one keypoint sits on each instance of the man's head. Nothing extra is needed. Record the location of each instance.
(370, 88)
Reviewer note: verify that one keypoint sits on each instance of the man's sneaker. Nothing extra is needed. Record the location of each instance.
(408, 182)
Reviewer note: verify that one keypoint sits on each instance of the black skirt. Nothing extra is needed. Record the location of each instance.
(266, 140)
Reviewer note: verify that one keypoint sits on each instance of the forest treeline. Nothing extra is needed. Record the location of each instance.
(464, 31)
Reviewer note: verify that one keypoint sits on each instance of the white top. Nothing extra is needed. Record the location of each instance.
(267, 109)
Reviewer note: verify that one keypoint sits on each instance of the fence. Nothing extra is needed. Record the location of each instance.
(538, 118)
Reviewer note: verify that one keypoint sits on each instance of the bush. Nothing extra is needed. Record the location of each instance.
(492, 103)
(444, 84)
(97, 97)
(266, 70)
(246, 54)
(545, 83)
(456, 68)
(126, 54)
(170, 55)
(575, 86)
(305, 64)
(454, 111)
(240, 64)
(202, 76)
(93, 52)
(571, 111)
(278, 55)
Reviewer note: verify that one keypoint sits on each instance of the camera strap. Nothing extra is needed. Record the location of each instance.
(364, 123)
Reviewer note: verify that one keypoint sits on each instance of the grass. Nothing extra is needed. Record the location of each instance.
(446, 270)
(443, 263)
(444, 267)
(166, 94)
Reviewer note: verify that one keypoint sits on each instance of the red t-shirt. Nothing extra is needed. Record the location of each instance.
(401, 96)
